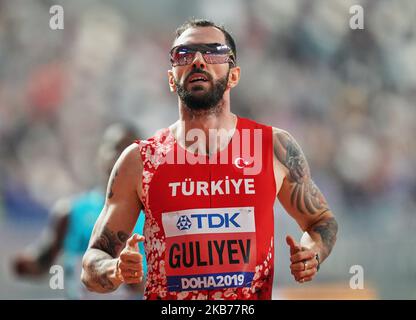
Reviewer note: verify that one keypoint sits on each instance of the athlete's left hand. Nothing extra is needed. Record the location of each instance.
(303, 262)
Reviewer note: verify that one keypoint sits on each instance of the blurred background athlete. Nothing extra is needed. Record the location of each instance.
(72, 221)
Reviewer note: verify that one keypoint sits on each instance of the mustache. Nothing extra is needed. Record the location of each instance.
(198, 70)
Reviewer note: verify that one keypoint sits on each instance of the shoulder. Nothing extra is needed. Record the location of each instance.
(125, 175)
(281, 135)
(130, 157)
(290, 155)
(127, 169)
(283, 142)
(288, 152)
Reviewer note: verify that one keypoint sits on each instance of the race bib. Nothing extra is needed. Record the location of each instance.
(210, 248)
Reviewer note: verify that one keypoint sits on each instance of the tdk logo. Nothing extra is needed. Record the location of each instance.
(215, 220)
(199, 221)
(183, 223)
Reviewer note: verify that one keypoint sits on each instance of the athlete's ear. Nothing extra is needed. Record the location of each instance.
(234, 77)
(171, 79)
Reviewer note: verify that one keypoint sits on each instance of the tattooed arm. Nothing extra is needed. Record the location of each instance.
(114, 225)
(304, 202)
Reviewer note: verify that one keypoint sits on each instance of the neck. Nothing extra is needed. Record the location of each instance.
(222, 120)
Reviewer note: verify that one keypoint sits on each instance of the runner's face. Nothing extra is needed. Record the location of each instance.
(204, 93)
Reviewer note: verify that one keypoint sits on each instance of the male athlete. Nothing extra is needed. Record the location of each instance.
(209, 228)
(72, 223)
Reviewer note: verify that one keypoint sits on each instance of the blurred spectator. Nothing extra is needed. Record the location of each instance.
(72, 222)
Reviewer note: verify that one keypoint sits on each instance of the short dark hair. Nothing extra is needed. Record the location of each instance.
(192, 23)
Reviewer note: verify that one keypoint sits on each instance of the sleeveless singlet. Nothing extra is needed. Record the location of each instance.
(209, 225)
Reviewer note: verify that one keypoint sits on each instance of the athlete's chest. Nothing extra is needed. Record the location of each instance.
(179, 187)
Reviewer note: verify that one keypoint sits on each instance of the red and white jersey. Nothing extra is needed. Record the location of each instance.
(209, 225)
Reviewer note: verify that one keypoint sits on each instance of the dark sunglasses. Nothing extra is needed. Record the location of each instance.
(213, 53)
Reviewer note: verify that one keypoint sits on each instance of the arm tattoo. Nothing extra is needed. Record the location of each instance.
(110, 192)
(328, 231)
(110, 242)
(98, 276)
(305, 195)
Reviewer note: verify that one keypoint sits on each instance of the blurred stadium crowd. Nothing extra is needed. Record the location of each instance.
(346, 95)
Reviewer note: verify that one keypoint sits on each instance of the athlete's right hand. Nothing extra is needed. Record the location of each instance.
(129, 267)
(303, 262)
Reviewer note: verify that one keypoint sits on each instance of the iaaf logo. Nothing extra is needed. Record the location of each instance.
(212, 221)
(244, 145)
(208, 220)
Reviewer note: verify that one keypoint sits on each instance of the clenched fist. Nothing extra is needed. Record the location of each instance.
(129, 264)
(304, 264)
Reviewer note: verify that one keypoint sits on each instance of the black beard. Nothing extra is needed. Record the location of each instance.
(206, 102)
